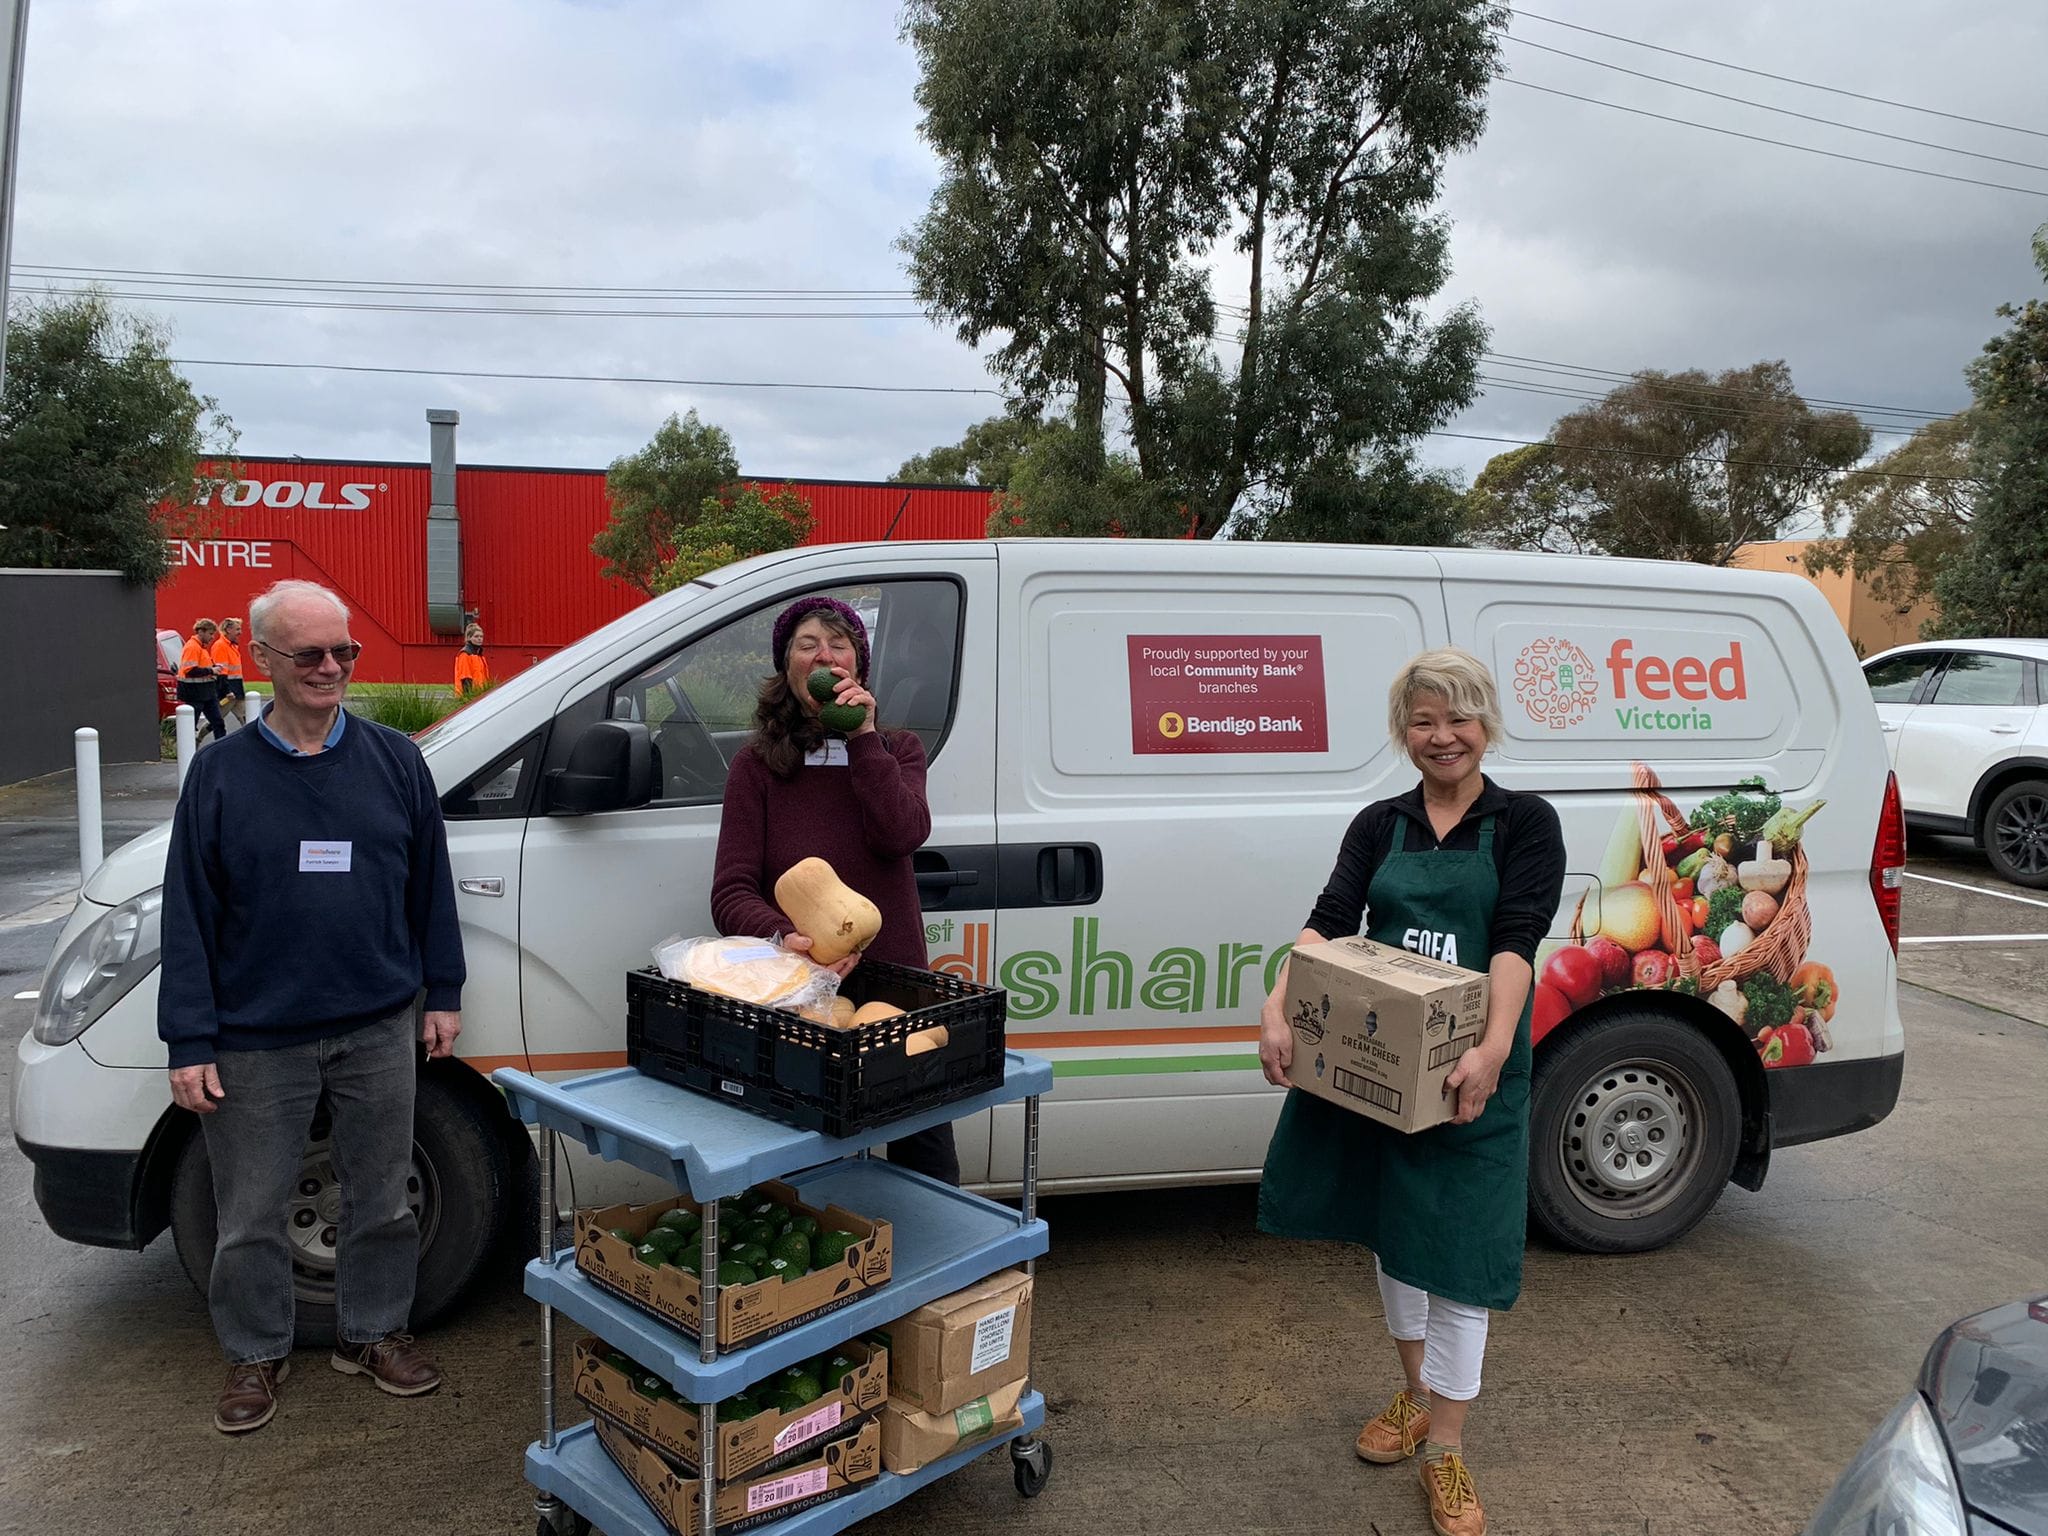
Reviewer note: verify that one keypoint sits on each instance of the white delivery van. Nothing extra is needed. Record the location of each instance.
(1143, 758)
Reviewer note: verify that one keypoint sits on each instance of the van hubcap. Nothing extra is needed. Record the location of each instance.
(313, 1217)
(1630, 1139)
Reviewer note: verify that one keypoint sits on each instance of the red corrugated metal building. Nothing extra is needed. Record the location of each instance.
(526, 566)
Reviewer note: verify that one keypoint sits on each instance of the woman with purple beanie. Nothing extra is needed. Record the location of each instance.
(798, 791)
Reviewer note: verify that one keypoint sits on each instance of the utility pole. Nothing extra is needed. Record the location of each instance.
(14, 38)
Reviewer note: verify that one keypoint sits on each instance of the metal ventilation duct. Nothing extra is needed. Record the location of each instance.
(444, 528)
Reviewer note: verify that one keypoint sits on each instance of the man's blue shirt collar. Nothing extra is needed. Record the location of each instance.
(277, 741)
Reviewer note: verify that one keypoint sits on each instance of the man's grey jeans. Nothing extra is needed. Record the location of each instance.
(256, 1141)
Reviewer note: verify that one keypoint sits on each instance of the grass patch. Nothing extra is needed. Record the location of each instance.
(407, 707)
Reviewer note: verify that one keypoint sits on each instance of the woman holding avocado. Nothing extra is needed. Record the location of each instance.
(1443, 1210)
(812, 783)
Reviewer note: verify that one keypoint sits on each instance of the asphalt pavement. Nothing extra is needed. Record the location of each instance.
(1200, 1376)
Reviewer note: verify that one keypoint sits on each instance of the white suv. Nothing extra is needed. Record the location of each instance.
(1966, 722)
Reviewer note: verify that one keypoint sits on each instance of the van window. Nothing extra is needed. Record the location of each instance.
(501, 790)
(1894, 680)
(698, 702)
(1973, 677)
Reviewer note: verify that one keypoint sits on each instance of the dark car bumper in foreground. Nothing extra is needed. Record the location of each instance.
(1814, 1103)
(87, 1197)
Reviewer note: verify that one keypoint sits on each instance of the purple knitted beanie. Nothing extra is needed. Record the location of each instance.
(787, 621)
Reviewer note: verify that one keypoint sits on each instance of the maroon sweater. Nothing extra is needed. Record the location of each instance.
(865, 820)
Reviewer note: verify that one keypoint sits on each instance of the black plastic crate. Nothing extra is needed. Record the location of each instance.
(838, 1081)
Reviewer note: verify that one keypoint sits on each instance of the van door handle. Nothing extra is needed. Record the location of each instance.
(485, 885)
(1887, 726)
(1050, 875)
(2005, 730)
(955, 879)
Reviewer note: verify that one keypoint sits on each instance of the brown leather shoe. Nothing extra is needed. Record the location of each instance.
(395, 1362)
(1454, 1507)
(249, 1400)
(1401, 1426)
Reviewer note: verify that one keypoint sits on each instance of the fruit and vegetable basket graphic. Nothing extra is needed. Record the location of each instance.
(1713, 904)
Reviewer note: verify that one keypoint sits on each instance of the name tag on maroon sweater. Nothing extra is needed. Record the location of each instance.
(830, 755)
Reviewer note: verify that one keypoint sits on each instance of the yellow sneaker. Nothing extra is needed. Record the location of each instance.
(1454, 1507)
(1394, 1435)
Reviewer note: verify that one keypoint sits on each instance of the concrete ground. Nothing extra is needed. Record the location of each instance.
(1200, 1376)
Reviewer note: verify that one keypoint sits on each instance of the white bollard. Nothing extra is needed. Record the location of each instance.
(91, 833)
(188, 741)
(252, 706)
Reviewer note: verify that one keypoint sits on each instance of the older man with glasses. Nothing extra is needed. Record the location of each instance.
(312, 835)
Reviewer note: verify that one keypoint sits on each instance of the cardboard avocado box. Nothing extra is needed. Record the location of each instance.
(911, 1439)
(765, 1442)
(1378, 1029)
(746, 1313)
(951, 1351)
(838, 1467)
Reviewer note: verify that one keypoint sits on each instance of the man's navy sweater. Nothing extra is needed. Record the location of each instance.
(266, 942)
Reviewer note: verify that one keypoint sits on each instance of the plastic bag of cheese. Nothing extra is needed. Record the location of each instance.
(752, 970)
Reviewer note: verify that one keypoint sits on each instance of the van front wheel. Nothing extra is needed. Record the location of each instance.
(1633, 1131)
(460, 1189)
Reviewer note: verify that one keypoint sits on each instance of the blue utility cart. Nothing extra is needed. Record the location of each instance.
(944, 1239)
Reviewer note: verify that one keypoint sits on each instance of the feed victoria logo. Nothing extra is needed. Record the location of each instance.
(1555, 682)
(1559, 685)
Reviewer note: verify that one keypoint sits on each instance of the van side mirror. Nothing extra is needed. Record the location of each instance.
(611, 768)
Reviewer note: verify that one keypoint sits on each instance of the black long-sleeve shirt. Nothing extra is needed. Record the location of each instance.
(1528, 851)
(304, 896)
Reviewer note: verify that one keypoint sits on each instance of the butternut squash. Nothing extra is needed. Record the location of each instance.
(842, 1013)
(837, 919)
(870, 1013)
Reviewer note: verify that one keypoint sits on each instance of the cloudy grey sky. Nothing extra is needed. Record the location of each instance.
(687, 146)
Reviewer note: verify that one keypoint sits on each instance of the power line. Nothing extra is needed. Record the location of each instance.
(591, 378)
(487, 309)
(1557, 391)
(906, 389)
(1691, 458)
(1757, 138)
(586, 377)
(1552, 365)
(1811, 85)
(1764, 106)
(541, 290)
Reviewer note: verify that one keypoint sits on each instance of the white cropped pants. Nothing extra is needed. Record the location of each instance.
(1453, 1335)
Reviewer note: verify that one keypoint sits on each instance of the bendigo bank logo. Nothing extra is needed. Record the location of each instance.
(1554, 679)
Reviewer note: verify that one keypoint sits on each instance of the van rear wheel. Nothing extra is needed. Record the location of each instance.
(1634, 1128)
(460, 1188)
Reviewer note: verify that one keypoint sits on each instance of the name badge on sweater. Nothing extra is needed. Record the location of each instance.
(830, 755)
(325, 858)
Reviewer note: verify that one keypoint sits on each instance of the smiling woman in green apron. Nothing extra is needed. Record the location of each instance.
(1456, 860)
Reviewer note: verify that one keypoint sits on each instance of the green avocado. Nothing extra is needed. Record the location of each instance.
(830, 1248)
(808, 1225)
(801, 1384)
(794, 1247)
(680, 1220)
(845, 718)
(823, 683)
(653, 1255)
(736, 1272)
(753, 1254)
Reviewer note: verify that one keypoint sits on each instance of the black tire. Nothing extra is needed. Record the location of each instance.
(1668, 1098)
(1032, 1469)
(463, 1193)
(2016, 833)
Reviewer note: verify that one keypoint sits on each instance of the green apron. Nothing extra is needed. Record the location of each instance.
(1445, 1209)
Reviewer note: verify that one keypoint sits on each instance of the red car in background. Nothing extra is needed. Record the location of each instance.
(170, 645)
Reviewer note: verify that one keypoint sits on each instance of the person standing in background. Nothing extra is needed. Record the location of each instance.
(199, 679)
(227, 660)
(472, 671)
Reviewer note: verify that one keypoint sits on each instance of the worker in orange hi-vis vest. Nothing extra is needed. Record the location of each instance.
(472, 671)
(199, 679)
(227, 658)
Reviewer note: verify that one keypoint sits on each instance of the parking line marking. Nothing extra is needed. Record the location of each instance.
(1957, 885)
(1981, 938)
(23, 997)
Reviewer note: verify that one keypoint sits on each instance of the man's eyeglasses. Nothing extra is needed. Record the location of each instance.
(308, 659)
